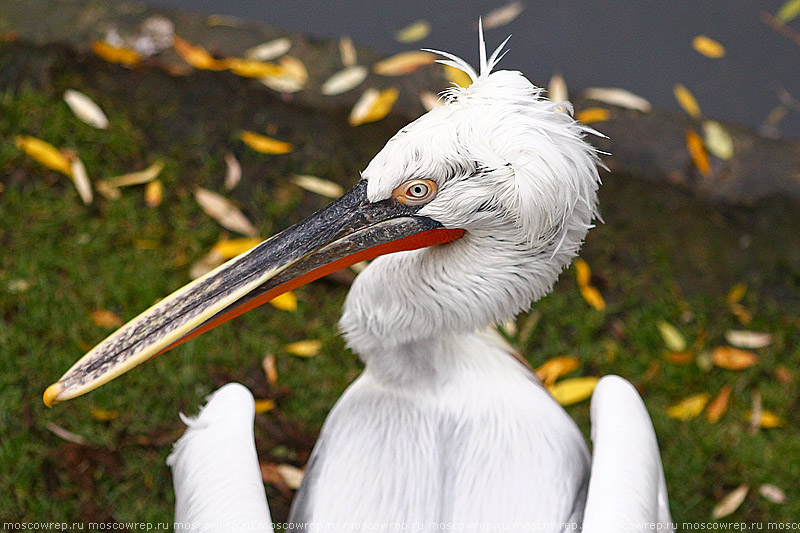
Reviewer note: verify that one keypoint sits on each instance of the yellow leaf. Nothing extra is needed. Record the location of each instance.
(319, 186)
(583, 273)
(373, 106)
(308, 348)
(229, 248)
(265, 145)
(556, 367)
(44, 153)
(730, 503)
(116, 54)
(224, 212)
(285, 302)
(593, 297)
(689, 407)
(294, 68)
(502, 15)
(573, 390)
(698, 153)
(403, 63)
(270, 369)
(103, 415)
(686, 100)
(415, 31)
(262, 406)
(672, 337)
(248, 68)
(136, 178)
(768, 419)
(593, 114)
(457, 76)
(197, 56)
(708, 47)
(733, 358)
(736, 293)
(106, 319)
(154, 193)
(718, 405)
(788, 11)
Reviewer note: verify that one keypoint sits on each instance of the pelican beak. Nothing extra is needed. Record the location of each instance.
(349, 230)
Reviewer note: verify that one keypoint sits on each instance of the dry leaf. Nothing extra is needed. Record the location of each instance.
(109, 192)
(262, 406)
(233, 171)
(136, 178)
(686, 100)
(154, 193)
(697, 151)
(229, 248)
(269, 50)
(317, 185)
(65, 434)
(116, 54)
(583, 274)
(291, 475)
(294, 68)
(573, 390)
(750, 340)
(718, 405)
(768, 419)
(718, 141)
(225, 212)
(106, 319)
(415, 31)
(347, 51)
(197, 56)
(733, 358)
(730, 503)
(772, 493)
(103, 415)
(788, 11)
(618, 97)
(430, 100)
(284, 83)
(80, 177)
(403, 63)
(783, 374)
(672, 337)
(742, 314)
(736, 293)
(373, 106)
(593, 114)
(44, 153)
(248, 68)
(554, 368)
(344, 80)
(285, 302)
(689, 407)
(265, 145)
(502, 15)
(270, 369)
(679, 358)
(593, 297)
(308, 348)
(205, 264)
(557, 89)
(708, 47)
(85, 109)
(18, 286)
(457, 76)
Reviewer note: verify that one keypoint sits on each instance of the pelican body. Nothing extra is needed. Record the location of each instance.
(471, 212)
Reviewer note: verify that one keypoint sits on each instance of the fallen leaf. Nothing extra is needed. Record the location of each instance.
(154, 193)
(317, 185)
(573, 390)
(136, 178)
(671, 336)
(344, 80)
(742, 314)
(617, 97)
(772, 493)
(593, 114)
(718, 405)
(224, 211)
(730, 503)
(270, 369)
(788, 11)
(80, 177)
(85, 109)
(262, 406)
(294, 69)
(44, 153)
(106, 319)
(783, 374)
(736, 293)
(269, 50)
(703, 361)
(285, 302)
(103, 415)
(308, 348)
(145, 244)
(679, 358)
(416, 31)
(291, 475)
(457, 76)
(116, 54)
(18, 286)
(248, 68)
(265, 145)
(733, 358)
(750, 340)
(65, 434)
(233, 171)
(197, 56)
(556, 367)
(717, 139)
(502, 15)
(347, 51)
(373, 106)
(229, 248)
(557, 89)
(283, 83)
(430, 100)
(689, 407)
(593, 297)
(205, 264)
(583, 274)
(767, 420)
(697, 151)
(403, 63)
(708, 47)
(686, 100)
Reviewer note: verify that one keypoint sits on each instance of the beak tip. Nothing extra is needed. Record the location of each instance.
(51, 394)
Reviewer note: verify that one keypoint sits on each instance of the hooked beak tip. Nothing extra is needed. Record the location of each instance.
(51, 394)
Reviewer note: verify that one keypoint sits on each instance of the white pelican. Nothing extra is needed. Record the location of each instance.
(487, 198)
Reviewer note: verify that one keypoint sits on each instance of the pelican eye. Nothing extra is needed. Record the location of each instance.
(415, 192)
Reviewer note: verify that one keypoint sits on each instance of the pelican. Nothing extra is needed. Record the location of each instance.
(470, 213)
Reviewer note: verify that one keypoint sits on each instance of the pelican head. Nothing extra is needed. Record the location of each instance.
(488, 197)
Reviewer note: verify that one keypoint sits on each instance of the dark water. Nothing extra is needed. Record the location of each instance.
(644, 47)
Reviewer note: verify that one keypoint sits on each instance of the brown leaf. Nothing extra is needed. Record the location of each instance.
(733, 358)
(679, 358)
(106, 319)
(270, 369)
(718, 405)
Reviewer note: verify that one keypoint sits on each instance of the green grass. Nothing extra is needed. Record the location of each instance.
(670, 259)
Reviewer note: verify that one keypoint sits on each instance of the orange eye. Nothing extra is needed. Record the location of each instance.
(415, 192)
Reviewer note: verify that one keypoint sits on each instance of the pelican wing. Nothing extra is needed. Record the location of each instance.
(627, 490)
(215, 470)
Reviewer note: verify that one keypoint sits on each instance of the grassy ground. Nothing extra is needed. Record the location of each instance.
(661, 255)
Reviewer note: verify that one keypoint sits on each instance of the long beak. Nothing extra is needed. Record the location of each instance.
(349, 230)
